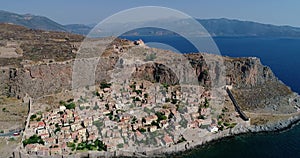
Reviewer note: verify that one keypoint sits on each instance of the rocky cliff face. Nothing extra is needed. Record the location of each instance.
(4, 80)
(47, 78)
(39, 80)
(156, 72)
(247, 72)
(251, 79)
(50, 70)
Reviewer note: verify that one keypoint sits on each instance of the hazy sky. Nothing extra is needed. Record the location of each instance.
(279, 12)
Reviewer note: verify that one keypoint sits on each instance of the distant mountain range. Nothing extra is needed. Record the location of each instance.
(42, 23)
(30, 21)
(226, 27)
(216, 27)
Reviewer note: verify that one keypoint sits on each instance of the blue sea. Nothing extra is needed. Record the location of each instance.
(282, 55)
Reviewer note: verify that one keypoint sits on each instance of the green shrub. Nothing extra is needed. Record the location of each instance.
(136, 99)
(96, 107)
(232, 125)
(81, 107)
(174, 100)
(4, 109)
(201, 117)
(11, 139)
(146, 95)
(219, 123)
(57, 130)
(120, 145)
(71, 145)
(62, 103)
(138, 91)
(167, 100)
(70, 106)
(160, 116)
(105, 85)
(206, 103)
(96, 93)
(226, 124)
(70, 100)
(132, 86)
(33, 139)
(142, 130)
(39, 119)
(32, 117)
(150, 57)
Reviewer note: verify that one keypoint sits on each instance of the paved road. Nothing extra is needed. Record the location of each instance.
(7, 134)
(28, 118)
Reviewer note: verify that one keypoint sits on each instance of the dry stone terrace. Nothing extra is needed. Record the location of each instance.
(134, 115)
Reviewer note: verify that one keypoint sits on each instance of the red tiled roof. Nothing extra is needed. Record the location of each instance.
(138, 134)
(41, 124)
(167, 139)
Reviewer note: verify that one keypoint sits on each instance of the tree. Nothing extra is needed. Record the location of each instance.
(206, 103)
(96, 93)
(33, 139)
(142, 130)
(167, 100)
(71, 145)
(143, 120)
(101, 146)
(201, 117)
(136, 99)
(165, 85)
(4, 109)
(134, 120)
(70, 106)
(70, 100)
(146, 95)
(199, 108)
(138, 92)
(106, 106)
(62, 103)
(154, 123)
(32, 117)
(105, 85)
(160, 116)
(120, 145)
(95, 107)
(174, 100)
(57, 130)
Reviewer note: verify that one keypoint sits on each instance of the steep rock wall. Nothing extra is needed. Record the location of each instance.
(43, 79)
(247, 72)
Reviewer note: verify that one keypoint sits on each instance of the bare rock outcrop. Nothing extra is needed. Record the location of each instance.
(247, 72)
(47, 78)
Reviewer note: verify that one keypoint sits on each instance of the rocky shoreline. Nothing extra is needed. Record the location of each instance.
(183, 148)
(279, 126)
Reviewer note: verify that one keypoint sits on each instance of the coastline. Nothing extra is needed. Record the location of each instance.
(280, 126)
(182, 148)
(178, 149)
